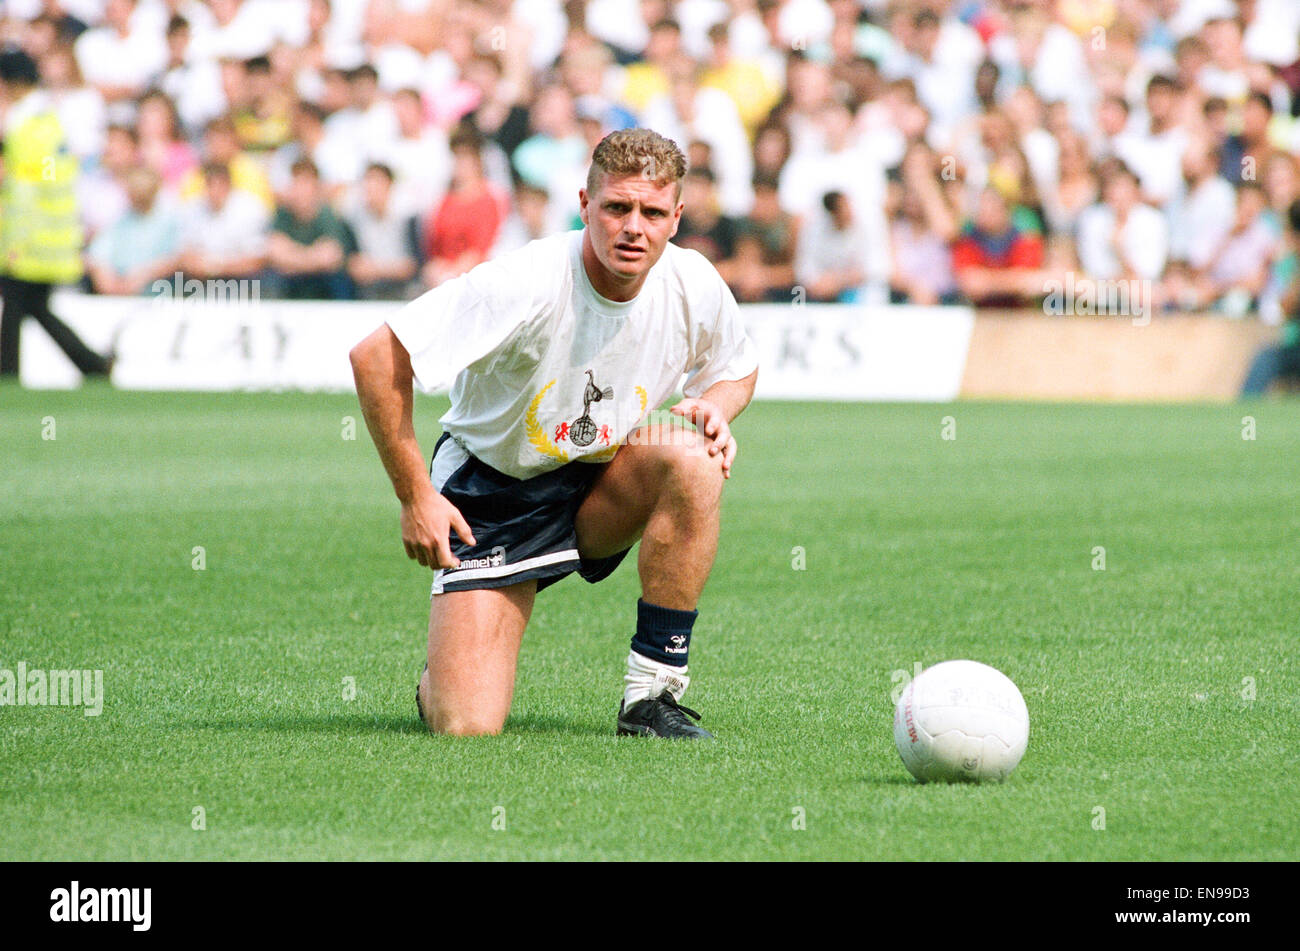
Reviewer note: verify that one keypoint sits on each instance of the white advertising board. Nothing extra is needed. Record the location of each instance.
(811, 351)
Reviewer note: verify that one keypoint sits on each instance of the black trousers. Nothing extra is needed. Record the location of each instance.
(24, 299)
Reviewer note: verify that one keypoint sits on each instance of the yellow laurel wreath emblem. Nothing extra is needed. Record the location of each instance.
(537, 434)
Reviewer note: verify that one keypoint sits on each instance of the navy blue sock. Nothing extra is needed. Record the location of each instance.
(663, 634)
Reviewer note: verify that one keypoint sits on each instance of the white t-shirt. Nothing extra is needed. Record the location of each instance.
(253, 31)
(1156, 159)
(1144, 238)
(108, 59)
(1199, 221)
(618, 22)
(546, 371)
(239, 229)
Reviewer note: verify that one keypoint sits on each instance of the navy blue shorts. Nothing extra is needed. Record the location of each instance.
(524, 527)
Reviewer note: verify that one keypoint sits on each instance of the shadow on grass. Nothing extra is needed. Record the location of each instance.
(890, 780)
(530, 723)
(362, 724)
(338, 724)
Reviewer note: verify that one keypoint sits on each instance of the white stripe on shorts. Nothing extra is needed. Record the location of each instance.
(503, 571)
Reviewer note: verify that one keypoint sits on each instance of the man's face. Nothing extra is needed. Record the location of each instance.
(222, 145)
(532, 208)
(302, 194)
(1160, 103)
(926, 37)
(218, 190)
(697, 191)
(260, 83)
(119, 150)
(664, 44)
(991, 215)
(141, 188)
(1112, 118)
(365, 90)
(841, 213)
(410, 114)
(1255, 118)
(1121, 192)
(630, 220)
(553, 114)
(177, 41)
(1196, 164)
(118, 12)
(375, 187)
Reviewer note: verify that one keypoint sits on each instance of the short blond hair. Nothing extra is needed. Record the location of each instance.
(637, 152)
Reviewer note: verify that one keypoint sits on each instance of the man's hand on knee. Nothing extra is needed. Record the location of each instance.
(711, 423)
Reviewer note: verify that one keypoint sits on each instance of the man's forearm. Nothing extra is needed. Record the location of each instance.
(731, 396)
(382, 369)
(284, 255)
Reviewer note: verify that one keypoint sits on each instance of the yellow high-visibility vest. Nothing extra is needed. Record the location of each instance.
(40, 228)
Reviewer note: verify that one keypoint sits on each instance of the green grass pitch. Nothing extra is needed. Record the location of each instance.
(225, 687)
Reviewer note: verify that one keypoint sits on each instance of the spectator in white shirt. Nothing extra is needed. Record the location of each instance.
(1156, 154)
(80, 107)
(1048, 55)
(419, 155)
(1240, 267)
(368, 121)
(1228, 73)
(691, 112)
(945, 81)
(241, 29)
(1121, 238)
(528, 220)
(194, 84)
(807, 90)
(310, 58)
(1200, 218)
(1075, 188)
(804, 23)
(831, 252)
(1272, 31)
(116, 58)
(101, 192)
(620, 23)
(384, 241)
(224, 233)
(843, 165)
(339, 161)
(1109, 127)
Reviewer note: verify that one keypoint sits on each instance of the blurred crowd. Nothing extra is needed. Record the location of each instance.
(922, 151)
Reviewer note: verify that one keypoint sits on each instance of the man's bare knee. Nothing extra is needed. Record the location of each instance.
(673, 453)
(688, 469)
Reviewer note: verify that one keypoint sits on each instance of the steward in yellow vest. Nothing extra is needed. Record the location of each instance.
(40, 227)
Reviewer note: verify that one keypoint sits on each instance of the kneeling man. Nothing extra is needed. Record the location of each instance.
(547, 465)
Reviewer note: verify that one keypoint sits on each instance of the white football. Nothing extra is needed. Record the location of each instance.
(961, 721)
